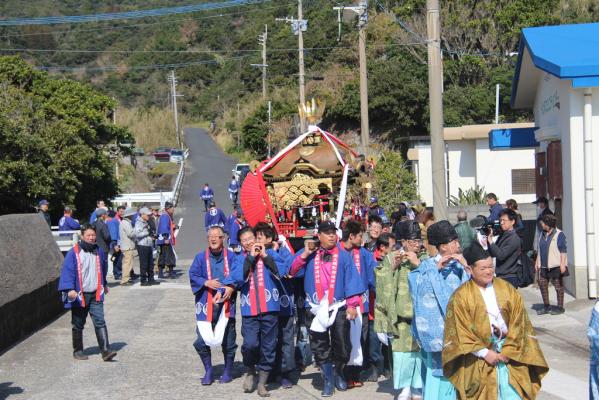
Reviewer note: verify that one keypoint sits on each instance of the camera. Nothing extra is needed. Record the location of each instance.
(492, 226)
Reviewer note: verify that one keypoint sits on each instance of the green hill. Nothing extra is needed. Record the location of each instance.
(129, 60)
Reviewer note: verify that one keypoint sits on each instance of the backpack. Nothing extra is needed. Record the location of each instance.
(526, 273)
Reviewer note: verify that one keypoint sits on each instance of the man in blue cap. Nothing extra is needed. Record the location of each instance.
(43, 209)
(374, 208)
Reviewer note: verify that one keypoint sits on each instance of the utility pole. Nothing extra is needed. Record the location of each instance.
(362, 11)
(298, 26)
(269, 121)
(262, 41)
(173, 80)
(435, 89)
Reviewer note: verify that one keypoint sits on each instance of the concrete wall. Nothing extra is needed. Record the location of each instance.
(30, 264)
(472, 163)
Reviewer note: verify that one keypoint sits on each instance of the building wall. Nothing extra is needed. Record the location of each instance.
(494, 170)
(461, 156)
(424, 173)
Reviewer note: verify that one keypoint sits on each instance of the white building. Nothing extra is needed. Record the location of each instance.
(500, 158)
(557, 76)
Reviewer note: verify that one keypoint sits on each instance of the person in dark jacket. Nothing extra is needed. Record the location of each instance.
(43, 210)
(494, 207)
(103, 238)
(507, 249)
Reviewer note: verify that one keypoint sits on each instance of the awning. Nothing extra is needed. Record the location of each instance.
(513, 138)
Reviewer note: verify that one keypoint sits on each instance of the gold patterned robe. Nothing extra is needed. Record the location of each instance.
(467, 329)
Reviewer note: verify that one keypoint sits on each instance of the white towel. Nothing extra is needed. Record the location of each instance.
(355, 335)
(214, 338)
(322, 320)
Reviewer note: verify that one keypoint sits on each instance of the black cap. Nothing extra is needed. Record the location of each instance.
(326, 226)
(212, 204)
(441, 232)
(475, 253)
(408, 230)
(168, 205)
(541, 199)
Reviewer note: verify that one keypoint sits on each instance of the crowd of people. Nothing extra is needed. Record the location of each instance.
(432, 306)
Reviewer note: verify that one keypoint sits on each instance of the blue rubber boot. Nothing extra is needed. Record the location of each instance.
(227, 376)
(328, 377)
(340, 382)
(207, 361)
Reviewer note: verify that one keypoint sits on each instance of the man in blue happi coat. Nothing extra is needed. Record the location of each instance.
(234, 226)
(215, 217)
(83, 285)
(256, 275)
(215, 304)
(285, 356)
(166, 241)
(431, 286)
(365, 264)
(116, 255)
(207, 194)
(331, 282)
(234, 190)
(67, 222)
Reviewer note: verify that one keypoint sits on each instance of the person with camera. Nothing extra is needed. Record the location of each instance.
(144, 237)
(256, 275)
(207, 274)
(166, 241)
(331, 282)
(507, 249)
(393, 312)
(364, 262)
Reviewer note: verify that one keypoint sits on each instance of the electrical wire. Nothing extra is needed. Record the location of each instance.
(171, 21)
(158, 12)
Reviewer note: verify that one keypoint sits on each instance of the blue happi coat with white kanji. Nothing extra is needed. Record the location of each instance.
(69, 277)
(287, 298)
(198, 275)
(164, 229)
(347, 284)
(367, 266)
(254, 302)
(431, 289)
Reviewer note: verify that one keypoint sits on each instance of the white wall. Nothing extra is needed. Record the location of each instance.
(471, 162)
(494, 170)
(461, 157)
(424, 174)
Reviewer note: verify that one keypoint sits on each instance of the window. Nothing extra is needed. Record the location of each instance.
(523, 181)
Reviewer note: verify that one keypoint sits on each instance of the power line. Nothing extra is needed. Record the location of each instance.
(132, 67)
(158, 12)
(192, 51)
(110, 28)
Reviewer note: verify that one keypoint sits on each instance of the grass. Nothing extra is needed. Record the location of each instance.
(166, 168)
(132, 180)
(152, 127)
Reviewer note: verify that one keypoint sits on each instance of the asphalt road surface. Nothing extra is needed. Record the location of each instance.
(153, 329)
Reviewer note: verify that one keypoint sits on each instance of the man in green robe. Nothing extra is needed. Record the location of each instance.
(490, 348)
(393, 312)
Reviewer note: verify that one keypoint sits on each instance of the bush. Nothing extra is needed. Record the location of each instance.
(393, 181)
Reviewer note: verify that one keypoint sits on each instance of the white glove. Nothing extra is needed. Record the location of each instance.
(383, 338)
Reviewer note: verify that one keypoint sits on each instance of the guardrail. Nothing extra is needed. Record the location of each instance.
(156, 197)
(65, 239)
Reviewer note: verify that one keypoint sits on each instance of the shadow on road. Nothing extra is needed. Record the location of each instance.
(6, 389)
(116, 346)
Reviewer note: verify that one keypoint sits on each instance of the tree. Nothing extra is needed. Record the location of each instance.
(54, 137)
(393, 182)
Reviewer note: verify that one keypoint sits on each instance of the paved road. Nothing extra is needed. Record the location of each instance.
(153, 329)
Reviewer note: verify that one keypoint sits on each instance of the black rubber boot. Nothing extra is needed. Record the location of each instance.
(328, 378)
(102, 336)
(262, 378)
(78, 345)
(160, 272)
(171, 273)
(340, 382)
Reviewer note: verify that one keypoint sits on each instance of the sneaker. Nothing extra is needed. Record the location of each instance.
(544, 310)
(154, 282)
(557, 311)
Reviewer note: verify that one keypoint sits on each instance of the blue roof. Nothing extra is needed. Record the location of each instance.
(565, 51)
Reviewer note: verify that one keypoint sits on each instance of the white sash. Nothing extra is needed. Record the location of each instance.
(322, 321)
(214, 338)
(355, 336)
